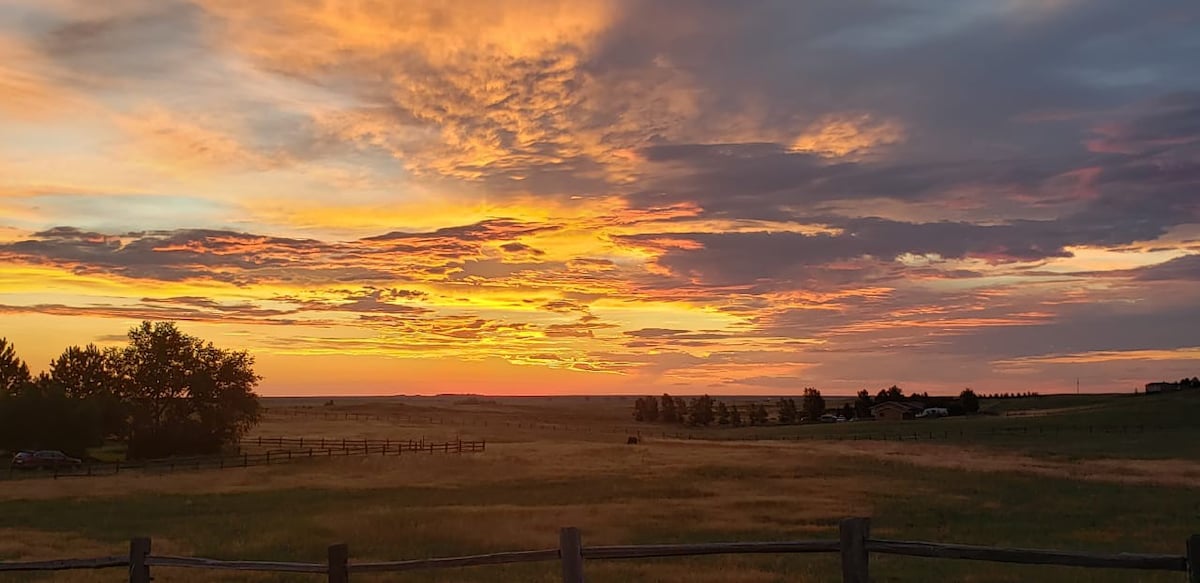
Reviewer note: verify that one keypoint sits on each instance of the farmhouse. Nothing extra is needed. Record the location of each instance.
(1161, 387)
(896, 410)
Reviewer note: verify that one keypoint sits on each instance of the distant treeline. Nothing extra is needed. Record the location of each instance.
(165, 393)
(704, 410)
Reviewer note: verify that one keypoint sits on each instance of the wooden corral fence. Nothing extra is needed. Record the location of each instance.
(854, 543)
(288, 449)
(317, 413)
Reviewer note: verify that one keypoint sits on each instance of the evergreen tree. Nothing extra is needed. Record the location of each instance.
(14, 373)
(735, 416)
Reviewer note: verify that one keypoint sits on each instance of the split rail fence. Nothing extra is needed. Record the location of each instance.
(854, 544)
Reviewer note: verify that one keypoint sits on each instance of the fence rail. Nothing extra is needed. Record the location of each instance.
(287, 450)
(853, 544)
(317, 413)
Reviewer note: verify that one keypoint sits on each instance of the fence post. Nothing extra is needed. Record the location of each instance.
(339, 559)
(570, 550)
(853, 536)
(139, 572)
(1193, 558)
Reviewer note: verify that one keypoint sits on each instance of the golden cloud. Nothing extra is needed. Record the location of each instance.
(848, 134)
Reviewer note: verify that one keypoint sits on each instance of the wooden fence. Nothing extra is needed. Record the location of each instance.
(853, 543)
(287, 449)
(317, 413)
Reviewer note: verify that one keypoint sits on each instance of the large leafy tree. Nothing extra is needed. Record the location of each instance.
(85, 372)
(14, 373)
(184, 395)
(89, 373)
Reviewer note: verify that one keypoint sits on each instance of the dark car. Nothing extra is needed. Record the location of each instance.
(44, 459)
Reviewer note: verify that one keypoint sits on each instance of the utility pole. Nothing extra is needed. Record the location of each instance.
(1076, 385)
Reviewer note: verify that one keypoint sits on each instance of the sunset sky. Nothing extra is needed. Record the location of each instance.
(581, 196)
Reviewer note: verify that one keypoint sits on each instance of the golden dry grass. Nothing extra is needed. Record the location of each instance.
(518, 493)
(1168, 472)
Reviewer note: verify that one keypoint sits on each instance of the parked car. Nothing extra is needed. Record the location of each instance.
(44, 459)
(831, 418)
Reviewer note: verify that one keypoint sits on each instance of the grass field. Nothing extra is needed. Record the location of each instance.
(557, 462)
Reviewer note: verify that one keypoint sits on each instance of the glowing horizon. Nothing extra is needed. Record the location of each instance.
(610, 197)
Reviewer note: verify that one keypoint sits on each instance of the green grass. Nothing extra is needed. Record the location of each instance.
(1106, 426)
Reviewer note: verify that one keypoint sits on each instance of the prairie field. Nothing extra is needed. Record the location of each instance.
(1064, 478)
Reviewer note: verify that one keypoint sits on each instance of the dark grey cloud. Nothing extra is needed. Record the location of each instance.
(1082, 328)
(868, 248)
(1186, 268)
(244, 258)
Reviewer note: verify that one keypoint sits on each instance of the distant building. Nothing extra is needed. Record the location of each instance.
(896, 410)
(1161, 387)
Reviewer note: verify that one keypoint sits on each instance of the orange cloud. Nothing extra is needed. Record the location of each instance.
(848, 134)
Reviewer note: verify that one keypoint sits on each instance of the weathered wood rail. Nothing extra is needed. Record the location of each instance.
(854, 544)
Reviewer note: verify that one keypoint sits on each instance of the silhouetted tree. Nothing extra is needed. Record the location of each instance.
(668, 412)
(735, 416)
(681, 410)
(41, 416)
(758, 414)
(892, 393)
(786, 411)
(862, 405)
(847, 411)
(722, 413)
(14, 373)
(814, 404)
(651, 411)
(639, 410)
(91, 373)
(700, 412)
(969, 401)
(184, 395)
